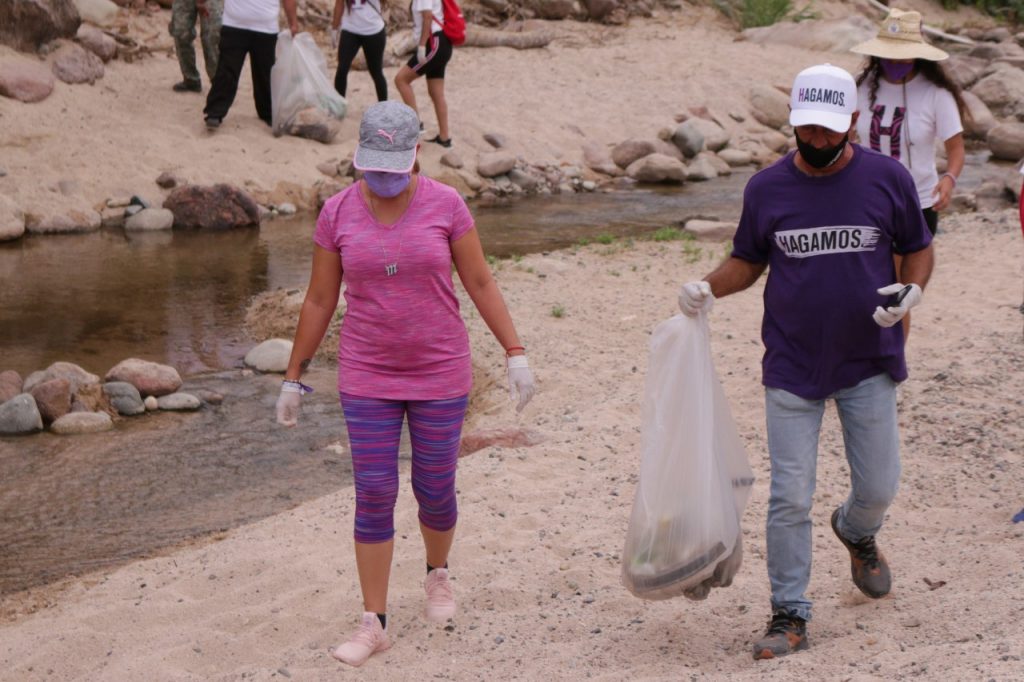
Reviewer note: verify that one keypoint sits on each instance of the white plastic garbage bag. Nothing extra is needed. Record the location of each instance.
(684, 535)
(299, 81)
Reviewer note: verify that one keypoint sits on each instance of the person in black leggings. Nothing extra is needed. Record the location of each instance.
(359, 24)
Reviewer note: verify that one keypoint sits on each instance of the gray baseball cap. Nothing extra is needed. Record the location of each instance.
(388, 135)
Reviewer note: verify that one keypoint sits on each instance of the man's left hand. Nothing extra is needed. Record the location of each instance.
(887, 317)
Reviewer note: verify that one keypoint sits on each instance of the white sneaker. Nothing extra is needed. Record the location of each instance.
(440, 598)
(365, 642)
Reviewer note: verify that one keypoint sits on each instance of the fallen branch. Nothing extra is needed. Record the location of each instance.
(478, 36)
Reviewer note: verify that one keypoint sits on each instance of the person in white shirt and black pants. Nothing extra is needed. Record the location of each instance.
(432, 54)
(360, 24)
(249, 27)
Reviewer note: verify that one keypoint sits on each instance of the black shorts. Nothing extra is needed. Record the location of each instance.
(439, 51)
(931, 218)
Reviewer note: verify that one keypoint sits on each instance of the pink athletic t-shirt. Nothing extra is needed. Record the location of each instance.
(402, 337)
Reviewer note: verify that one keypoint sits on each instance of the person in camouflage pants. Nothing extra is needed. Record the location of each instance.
(183, 30)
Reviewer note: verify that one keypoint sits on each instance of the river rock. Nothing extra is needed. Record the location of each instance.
(963, 70)
(628, 152)
(526, 181)
(472, 180)
(599, 10)
(688, 138)
(151, 403)
(150, 219)
(99, 12)
(124, 398)
(270, 356)
(700, 169)
(24, 80)
(10, 385)
(554, 10)
(1006, 141)
(75, 423)
(53, 398)
(26, 26)
(12, 220)
(735, 157)
(715, 136)
(97, 42)
(496, 140)
(493, 164)
(451, 159)
(90, 398)
(710, 230)
(65, 221)
(20, 415)
(719, 164)
(769, 106)
(73, 64)
(597, 157)
(657, 168)
(314, 124)
(1002, 90)
(150, 378)
(75, 375)
(215, 207)
(179, 402)
(981, 120)
(169, 180)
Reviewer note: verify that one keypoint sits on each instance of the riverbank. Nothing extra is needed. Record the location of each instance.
(537, 560)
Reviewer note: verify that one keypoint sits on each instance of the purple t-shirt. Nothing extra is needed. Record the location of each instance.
(402, 337)
(829, 243)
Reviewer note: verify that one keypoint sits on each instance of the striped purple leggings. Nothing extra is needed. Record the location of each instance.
(374, 429)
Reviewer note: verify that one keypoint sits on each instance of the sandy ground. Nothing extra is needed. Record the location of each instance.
(537, 558)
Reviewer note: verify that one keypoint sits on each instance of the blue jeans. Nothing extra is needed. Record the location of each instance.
(867, 412)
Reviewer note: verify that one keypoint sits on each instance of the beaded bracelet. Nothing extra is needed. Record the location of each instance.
(297, 387)
(950, 176)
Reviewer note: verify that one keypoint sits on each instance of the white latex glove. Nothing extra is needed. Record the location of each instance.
(696, 297)
(520, 381)
(887, 317)
(288, 403)
(335, 37)
(421, 54)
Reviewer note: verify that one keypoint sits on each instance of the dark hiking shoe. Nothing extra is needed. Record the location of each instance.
(212, 122)
(785, 634)
(187, 86)
(870, 571)
(444, 143)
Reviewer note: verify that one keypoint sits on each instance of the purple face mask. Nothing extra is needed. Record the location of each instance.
(896, 71)
(387, 185)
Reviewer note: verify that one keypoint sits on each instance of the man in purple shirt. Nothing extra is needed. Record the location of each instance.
(825, 222)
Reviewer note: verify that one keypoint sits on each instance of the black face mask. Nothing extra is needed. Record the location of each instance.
(820, 158)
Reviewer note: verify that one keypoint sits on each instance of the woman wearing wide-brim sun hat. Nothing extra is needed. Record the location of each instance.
(907, 102)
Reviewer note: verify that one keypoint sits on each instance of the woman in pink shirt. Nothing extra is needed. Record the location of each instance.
(403, 353)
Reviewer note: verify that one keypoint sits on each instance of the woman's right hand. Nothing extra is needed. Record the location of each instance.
(520, 381)
(288, 403)
(335, 37)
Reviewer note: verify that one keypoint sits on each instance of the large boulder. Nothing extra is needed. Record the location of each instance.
(53, 398)
(1002, 91)
(28, 24)
(150, 378)
(20, 415)
(825, 35)
(99, 12)
(216, 207)
(76, 376)
(73, 64)
(598, 10)
(493, 164)
(769, 106)
(554, 9)
(963, 70)
(25, 80)
(657, 168)
(1006, 141)
(980, 120)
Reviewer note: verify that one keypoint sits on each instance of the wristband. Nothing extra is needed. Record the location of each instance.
(509, 350)
(289, 386)
(950, 176)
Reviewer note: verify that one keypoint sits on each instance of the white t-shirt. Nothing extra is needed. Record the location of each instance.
(417, 18)
(252, 15)
(363, 18)
(927, 111)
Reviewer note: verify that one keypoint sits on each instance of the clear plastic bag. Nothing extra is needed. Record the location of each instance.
(684, 534)
(298, 81)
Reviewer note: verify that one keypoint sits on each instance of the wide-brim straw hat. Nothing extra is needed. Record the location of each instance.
(900, 37)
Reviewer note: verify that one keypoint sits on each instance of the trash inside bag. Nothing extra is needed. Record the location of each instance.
(298, 82)
(684, 534)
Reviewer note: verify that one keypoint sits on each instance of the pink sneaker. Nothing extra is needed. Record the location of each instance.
(440, 599)
(367, 640)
